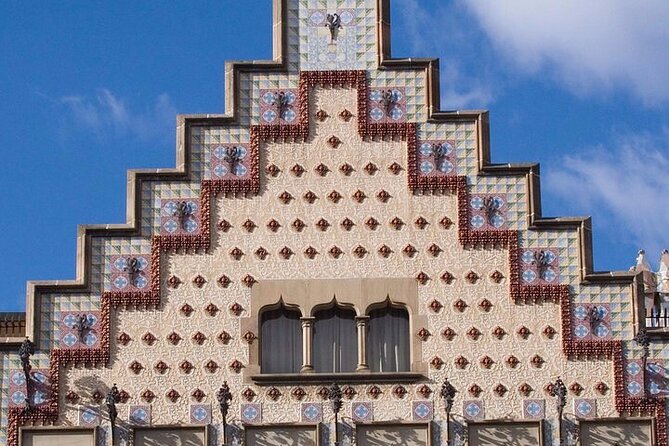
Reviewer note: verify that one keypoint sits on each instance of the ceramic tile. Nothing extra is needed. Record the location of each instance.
(362, 412)
(311, 412)
(200, 413)
(422, 410)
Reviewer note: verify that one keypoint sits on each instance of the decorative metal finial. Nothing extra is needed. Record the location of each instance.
(447, 393)
(334, 25)
(542, 262)
(111, 399)
(643, 340)
(182, 212)
(133, 268)
(490, 209)
(559, 391)
(594, 316)
(82, 325)
(26, 350)
(282, 103)
(438, 152)
(233, 155)
(335, 397)
(224, 397)
(389, 100)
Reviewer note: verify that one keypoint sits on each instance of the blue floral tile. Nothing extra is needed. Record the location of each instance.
(200, 413)
(534, 409)
(89, 416)
(17, 387)
(139, 415)
(312, 412)
(362, 412)
(279, 107)
(539, 266)
(436, 158)
(251, 413)
(634, 377)
(69, 336)
(322, 50)
(657, 374)
(230, 162)
(422, 410)
(586, 329)
(130, 273)
(473, 410)
(585, 408)
(488, 211)
(387, 105)
(179, 217)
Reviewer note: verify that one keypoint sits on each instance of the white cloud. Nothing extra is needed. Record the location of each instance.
(590, 46)
(625, 184)
(108, 115)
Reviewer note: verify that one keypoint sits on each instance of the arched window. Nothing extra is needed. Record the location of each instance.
(388, 340)
(335, 341)
(281, 341)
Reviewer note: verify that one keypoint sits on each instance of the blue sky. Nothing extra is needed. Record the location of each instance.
(91, 89)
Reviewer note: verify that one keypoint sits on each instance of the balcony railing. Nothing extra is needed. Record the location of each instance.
(658, 318)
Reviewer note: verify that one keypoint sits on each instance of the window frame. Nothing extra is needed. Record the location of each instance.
(338, 310)
(278, 306)
(315, 426)
(502, 422)
(651, 421)
(95, 431)
(309, 296)
(391, 424)
(205, 428)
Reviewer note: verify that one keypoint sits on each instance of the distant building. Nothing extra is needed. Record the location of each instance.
(656, 290)
(337, 249)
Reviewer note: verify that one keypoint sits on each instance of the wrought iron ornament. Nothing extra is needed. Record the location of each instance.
(183, 212)
(111, 399)
(643, 340)
(559, 391)
(26, 350)
(335, 397)
(334, 25)
(542, 262)
(224, 397)
(447, 393)
(282, 103)
(491, 209)
(133, 269)
(389, 100)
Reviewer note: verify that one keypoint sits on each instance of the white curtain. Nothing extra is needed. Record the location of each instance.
(281, 341)
(335, 341)
(388, 340)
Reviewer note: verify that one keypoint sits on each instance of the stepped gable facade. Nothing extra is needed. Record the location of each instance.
(335, 248)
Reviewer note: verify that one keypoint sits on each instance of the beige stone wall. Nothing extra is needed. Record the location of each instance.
(403, 204)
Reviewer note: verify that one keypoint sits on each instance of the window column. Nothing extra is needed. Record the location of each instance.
(307, 349)
(361, 323)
